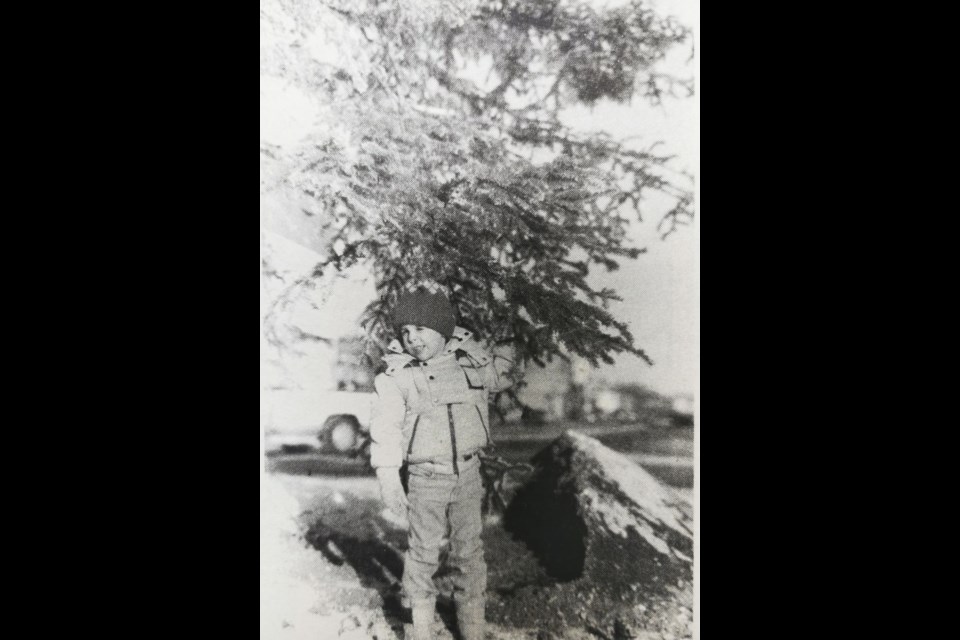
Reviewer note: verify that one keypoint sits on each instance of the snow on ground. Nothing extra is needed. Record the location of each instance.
(637, 484)
(302, 595)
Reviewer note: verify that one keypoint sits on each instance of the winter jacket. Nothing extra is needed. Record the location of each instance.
(435, 410)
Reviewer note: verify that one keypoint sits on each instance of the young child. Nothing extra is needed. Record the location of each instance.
(431, 415)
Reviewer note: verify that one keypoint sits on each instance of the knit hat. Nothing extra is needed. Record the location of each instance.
(425, 309)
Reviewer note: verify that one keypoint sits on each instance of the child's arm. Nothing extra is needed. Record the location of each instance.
(498, 364)
(386, 420)
(386, 442)
(502, 370)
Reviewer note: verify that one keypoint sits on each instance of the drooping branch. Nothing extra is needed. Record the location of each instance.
(426, 172)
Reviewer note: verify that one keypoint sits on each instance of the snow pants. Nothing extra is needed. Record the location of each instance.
(445, 504)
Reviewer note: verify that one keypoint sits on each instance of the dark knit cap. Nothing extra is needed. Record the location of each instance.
(425, 309)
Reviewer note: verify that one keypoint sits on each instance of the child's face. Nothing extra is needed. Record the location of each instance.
(422, 342)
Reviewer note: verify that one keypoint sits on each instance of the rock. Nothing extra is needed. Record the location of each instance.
(599, 523)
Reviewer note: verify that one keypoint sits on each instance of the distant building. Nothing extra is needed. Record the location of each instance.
(547, 389)
(566, 389)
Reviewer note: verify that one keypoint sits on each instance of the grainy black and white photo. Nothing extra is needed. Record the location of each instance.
(479, 319)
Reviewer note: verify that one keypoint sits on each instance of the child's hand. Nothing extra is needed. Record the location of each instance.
(508, 369)
(391, 490)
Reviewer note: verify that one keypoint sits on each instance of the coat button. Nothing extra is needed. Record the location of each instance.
(431, 377)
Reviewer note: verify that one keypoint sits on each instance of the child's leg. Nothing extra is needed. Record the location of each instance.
(466, 553)
(429, 496)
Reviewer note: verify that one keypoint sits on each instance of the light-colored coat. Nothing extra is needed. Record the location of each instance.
(435, 410)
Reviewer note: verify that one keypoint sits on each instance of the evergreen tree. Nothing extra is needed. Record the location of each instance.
(441, 155)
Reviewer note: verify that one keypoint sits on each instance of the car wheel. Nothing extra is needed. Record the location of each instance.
(340, 433)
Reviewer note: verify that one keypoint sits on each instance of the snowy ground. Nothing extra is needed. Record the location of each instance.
(302, 594)
(310, 586)
(305, 595)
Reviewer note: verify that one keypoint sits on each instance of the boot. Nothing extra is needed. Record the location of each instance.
(423, 619)
(471, 620)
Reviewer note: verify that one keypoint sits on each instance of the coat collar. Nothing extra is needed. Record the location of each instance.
(461, 340)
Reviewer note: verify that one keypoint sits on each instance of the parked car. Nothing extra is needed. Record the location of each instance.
(343, 433)
(304, 421)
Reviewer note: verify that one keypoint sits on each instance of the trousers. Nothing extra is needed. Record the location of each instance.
(445, 505)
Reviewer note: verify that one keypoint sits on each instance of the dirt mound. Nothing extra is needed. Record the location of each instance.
(614, 548)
